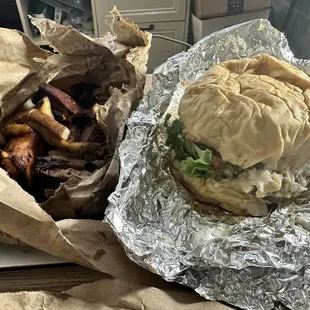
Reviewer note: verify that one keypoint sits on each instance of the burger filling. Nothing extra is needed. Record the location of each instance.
(196, 159)
(201, 161)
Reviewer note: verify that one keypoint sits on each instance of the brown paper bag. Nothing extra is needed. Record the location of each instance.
(81, 198)
(131, 288)
(21, 217)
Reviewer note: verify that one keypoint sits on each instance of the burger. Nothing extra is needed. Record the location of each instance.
(241, 139)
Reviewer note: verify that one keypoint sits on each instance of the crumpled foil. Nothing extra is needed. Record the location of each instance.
(252, 263)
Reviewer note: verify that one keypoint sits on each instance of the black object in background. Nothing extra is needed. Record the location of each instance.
(9, 17)
(292, 17)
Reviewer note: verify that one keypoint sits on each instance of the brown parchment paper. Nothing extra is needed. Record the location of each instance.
(87, 198)
(22, 219)
(131, 288)
(86, 242)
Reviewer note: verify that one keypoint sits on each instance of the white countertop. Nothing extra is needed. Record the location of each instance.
(25, 256)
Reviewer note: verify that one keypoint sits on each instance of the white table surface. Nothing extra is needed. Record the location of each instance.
(12, 256)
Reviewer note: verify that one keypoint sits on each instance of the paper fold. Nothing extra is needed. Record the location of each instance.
(79, 57)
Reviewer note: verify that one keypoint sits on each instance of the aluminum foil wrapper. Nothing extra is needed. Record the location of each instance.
(252, 263)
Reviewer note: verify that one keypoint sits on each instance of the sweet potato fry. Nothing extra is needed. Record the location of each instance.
(19, 157)
(17, 130)
(60, 100)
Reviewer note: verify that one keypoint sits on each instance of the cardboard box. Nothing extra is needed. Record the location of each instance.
(206, 8)
(201, 28)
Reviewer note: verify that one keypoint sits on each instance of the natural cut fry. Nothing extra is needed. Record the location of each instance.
(19, 157)
(42, 122)
(46, 107)
(17, 130)
(60, 100)
(71, 140)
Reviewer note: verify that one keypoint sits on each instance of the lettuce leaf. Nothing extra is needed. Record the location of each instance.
(200, 167)
(196, 158)
(196, 168)
(195, 161)
(176, 139)
(205, 155)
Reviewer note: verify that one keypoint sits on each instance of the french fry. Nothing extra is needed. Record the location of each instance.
(42, 123)
(17, 130)
(73, 147)
(46, 108)
(60, 100)
(19, 157)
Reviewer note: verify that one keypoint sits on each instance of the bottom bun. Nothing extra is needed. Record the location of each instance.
(220, 193)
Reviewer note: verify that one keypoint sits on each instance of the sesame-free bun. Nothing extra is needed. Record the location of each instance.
(232, 195)
(251, 110)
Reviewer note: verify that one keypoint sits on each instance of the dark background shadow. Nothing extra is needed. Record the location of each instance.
(9, 17)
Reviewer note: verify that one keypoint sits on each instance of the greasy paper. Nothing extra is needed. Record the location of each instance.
(80, 198)
(131, 288)
(79, 57)
(129, 33)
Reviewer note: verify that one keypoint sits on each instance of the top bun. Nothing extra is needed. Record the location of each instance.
(251, 110)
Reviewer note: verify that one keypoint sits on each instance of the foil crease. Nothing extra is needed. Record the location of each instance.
(252, 263)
